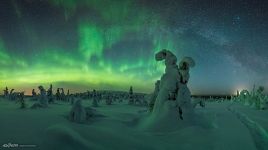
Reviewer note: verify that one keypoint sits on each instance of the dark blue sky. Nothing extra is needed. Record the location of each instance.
(110, 44)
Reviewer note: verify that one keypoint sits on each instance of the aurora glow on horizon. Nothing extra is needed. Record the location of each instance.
(110, 44)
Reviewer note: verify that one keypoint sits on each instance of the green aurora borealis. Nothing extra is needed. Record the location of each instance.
(60, 66)
(105, 44)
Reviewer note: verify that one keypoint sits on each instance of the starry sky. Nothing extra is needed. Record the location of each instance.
(110, 44)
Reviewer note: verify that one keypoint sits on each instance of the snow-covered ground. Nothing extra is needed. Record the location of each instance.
(230, 126)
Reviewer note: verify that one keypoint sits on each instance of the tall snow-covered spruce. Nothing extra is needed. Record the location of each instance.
(171, 102)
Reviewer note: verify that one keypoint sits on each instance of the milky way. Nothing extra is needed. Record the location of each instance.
(110, 44)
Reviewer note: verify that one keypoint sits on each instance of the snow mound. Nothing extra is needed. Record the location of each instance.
(62, 137)
(169, 120)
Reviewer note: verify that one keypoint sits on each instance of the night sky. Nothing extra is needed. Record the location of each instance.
(110, 44)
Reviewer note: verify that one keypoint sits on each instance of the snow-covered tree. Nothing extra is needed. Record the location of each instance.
(78, 112)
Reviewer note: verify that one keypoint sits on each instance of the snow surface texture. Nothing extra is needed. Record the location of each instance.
(258, 133)
(120, 128)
